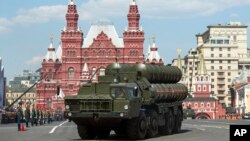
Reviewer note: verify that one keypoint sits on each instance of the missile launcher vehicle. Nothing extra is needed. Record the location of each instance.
(135, 100)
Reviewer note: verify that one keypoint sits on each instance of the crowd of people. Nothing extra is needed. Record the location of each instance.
(28, 114)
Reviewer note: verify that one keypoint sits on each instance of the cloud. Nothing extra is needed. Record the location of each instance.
(26, 17)
(107, 9)
(35, 60)
(233, 15)
(94, 9)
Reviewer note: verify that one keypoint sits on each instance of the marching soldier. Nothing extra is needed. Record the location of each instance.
(33, 116)
(38, 116)
(49, 117)
(27, 115)
(19, 116)
(41, 119)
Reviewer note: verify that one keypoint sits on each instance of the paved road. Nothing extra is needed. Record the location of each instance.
(192, 130)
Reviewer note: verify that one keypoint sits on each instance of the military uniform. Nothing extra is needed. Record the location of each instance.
(19, 116)
(27, 116)
(33, 117)
(38, 116)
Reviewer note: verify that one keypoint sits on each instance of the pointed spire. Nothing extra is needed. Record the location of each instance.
(153, 54)
(59, 52)
(179, 63)
(51, 41)
(133, 2)
(71, 2)
(51, 51)
(153, 40)
(202, 66)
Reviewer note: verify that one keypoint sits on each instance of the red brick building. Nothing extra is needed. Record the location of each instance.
(203, 104)
(79, 57)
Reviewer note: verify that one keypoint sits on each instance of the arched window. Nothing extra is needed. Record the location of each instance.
(102, 72)
(71, 73)
(208, 105)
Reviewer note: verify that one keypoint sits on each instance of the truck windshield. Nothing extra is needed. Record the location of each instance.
(120, 92)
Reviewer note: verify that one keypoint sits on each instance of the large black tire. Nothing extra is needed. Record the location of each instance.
(137, 127)
(169, 124)
(153, 124)
(86, 132)
(103, 133)
(178, 122)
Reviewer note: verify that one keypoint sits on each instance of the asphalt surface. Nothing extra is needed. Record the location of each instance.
(192, 130)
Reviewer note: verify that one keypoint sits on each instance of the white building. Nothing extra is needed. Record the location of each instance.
(241, 92)
(225, 54)
(2, 84)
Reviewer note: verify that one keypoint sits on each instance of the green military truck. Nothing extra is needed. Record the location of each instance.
(135, 100)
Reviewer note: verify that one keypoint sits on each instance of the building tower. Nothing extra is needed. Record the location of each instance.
(153, 54)
(72, 41)
(133, 36)
(202, 81)
(2, 85)
(47, 86)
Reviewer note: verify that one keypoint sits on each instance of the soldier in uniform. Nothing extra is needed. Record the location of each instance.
(27, 114)
(49, 117)
(41, 119)
(38, 116)
(19, 115)
(33, 116)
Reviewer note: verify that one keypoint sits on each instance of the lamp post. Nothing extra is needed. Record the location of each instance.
(193, 67)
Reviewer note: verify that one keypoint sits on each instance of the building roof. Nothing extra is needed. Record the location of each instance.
(59, 52)
(153, 53)
(106, 28)
(51, 53)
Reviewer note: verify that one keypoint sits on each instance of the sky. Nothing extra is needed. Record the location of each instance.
(26, 25)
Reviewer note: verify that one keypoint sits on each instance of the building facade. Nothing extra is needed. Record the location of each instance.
(202, 101)
(240, 93)
(225, 55)
(21, 83)
(2, 85)
(80, 58)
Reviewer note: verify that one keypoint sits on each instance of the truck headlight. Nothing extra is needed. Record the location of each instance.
(67, 107)
(121, 114)
(69, 114)
(126, 107)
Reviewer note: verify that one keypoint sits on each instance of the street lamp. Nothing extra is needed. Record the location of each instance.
(193, 67)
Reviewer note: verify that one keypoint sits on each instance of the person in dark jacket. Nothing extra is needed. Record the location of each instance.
(38, 116)
(19, 116)
(27, 115)
(33, 116)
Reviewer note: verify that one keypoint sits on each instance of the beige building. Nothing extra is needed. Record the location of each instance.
(241, 92)
(225, 54)
(28, 97)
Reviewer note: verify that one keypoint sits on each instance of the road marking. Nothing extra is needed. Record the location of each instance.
(208, 126)
(54, 128)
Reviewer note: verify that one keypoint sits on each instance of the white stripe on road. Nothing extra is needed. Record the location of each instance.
(209, 126)
(54, 128)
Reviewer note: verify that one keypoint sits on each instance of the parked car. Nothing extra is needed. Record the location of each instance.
(246, 116)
